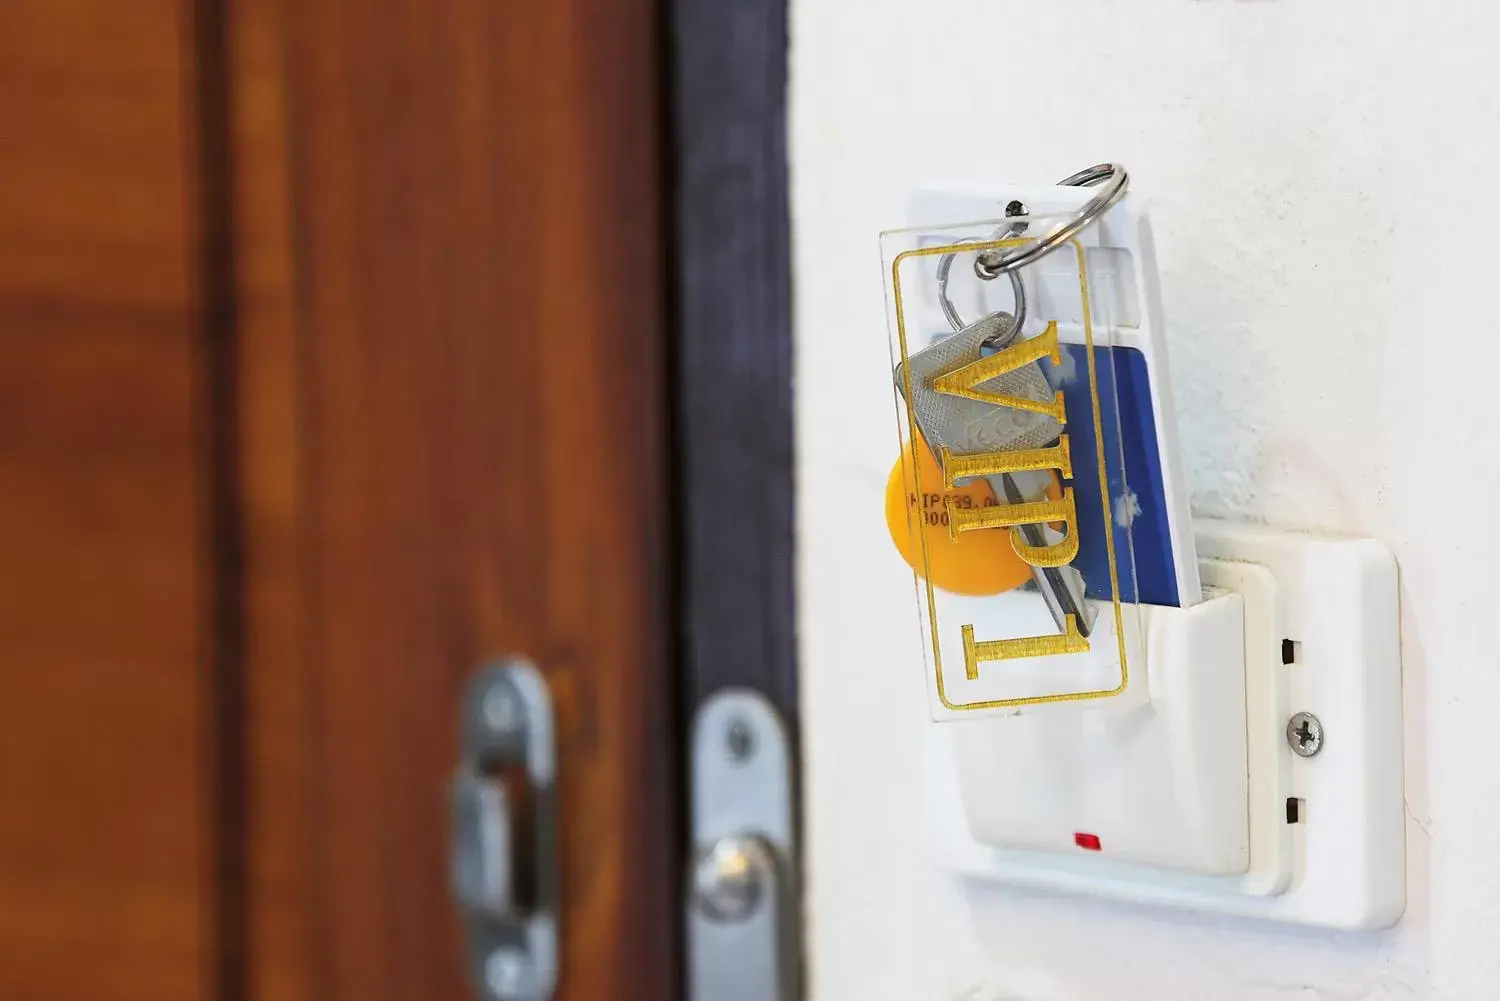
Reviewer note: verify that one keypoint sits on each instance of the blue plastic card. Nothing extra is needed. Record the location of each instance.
(1138, 503)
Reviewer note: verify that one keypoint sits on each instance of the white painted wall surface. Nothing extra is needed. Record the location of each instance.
(1320, 175)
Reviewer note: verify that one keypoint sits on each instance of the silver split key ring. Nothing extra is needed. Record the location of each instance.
(991, 264)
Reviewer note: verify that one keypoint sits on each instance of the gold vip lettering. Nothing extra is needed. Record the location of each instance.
(965, 382)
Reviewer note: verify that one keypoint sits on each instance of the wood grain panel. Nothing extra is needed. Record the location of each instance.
(279, 842)
(105, 837)
(457, 453)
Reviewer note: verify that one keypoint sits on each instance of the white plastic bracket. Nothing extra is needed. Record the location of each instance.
(1326, 833)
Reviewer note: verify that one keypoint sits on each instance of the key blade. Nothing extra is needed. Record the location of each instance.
(968, 426)
(1062, 587)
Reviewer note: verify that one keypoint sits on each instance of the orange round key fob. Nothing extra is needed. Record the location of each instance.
(978, 563)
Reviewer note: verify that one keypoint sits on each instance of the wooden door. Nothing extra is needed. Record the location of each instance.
(107, 752)
(332, 365)
(453, 428)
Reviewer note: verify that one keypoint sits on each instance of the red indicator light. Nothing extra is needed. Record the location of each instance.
(1088, 842)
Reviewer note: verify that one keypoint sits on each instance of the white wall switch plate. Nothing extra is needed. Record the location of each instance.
(1323, 837)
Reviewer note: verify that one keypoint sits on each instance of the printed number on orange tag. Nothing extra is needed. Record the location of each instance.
(977, 563)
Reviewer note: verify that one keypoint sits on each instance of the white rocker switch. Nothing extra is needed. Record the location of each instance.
(1162, 784)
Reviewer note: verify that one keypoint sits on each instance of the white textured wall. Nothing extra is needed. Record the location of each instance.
(1326, 231)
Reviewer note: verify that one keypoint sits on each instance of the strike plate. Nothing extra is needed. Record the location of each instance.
(508, 902)
(742, 889)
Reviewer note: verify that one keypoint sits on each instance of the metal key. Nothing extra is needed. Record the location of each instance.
(967, 426)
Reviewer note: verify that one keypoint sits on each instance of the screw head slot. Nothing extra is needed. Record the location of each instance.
(739, 739)
(500, 710)
(1304, 734)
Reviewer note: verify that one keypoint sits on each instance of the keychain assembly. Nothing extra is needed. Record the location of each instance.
(1038, 463)
(1102, 723)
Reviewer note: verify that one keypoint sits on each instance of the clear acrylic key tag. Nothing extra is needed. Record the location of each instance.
(1009, 500)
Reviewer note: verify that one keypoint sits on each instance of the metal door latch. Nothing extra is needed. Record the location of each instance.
(742, 892)
(504, 808)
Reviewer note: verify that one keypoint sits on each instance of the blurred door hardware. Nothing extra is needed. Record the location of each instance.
(742, 887)
(509, 903)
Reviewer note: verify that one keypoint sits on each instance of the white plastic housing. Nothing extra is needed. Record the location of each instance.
(1002, 804)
